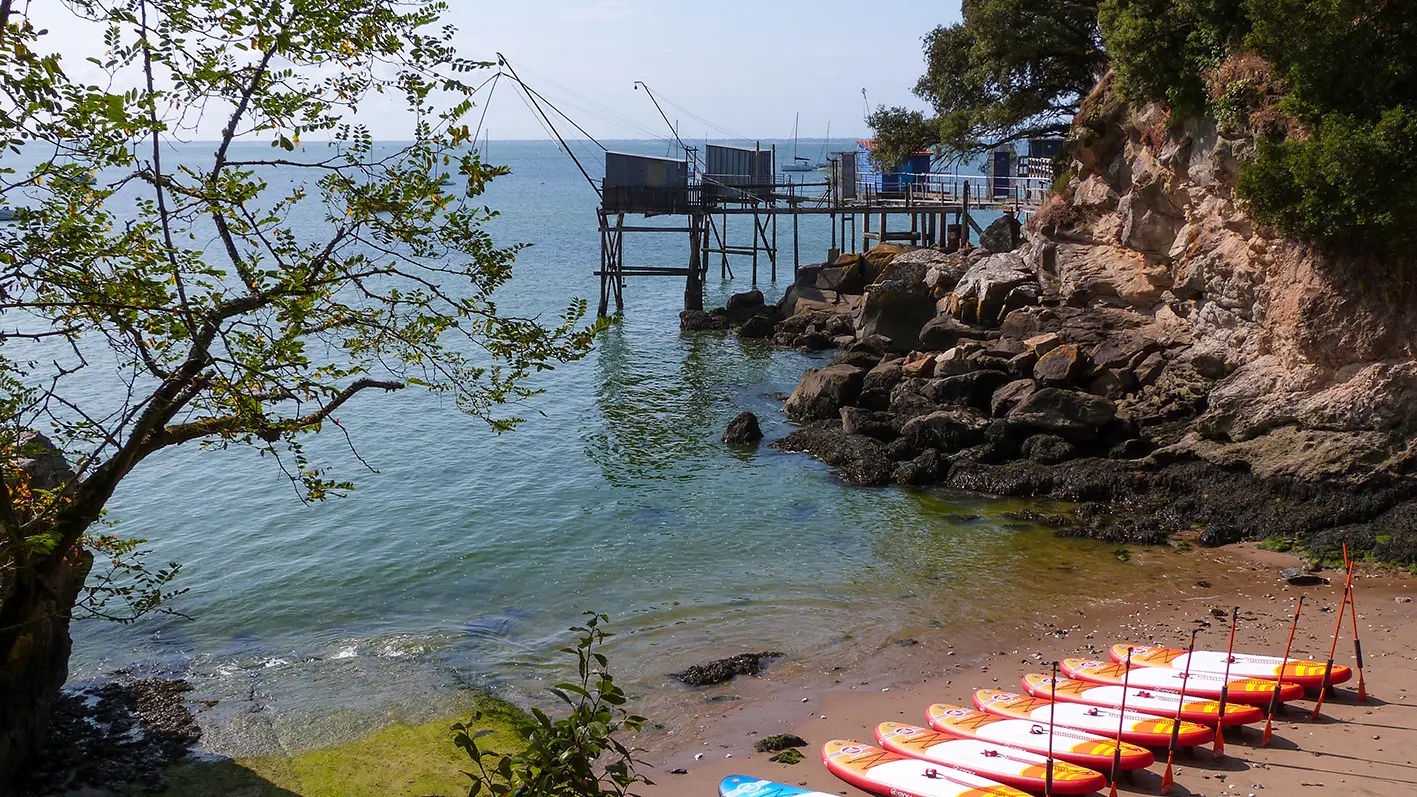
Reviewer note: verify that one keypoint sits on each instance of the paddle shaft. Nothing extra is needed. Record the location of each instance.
(1333, 648)
(1284, 665)
(1052, 713)
(1225, 687)
(1357, 644)
(1121, 723)
(1167, 780)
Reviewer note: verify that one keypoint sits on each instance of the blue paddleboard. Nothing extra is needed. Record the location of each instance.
(744, 786)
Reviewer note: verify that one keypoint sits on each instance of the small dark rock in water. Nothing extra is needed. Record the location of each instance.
(723, 699)
(787, 757)
(906, 643)
(698, 320)
(114, 737)
(1203, 584)
(781, 741)
(743, 430)
(1302, 578)
(717, 672)
(959, 520)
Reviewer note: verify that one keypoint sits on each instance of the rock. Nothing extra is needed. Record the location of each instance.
(879, 257)
(42, 461)
(743, 430)
(988, 282)
(1302, 578)
(953, 362)
(900, 449)
(1040, 345)
(876, 387)
(896, 310)
(1066, 413)
(858, 359)
(1131, 448)
(878, 345)
(1149, 369)
(1021, 365)
(758, 326)
(880, 425)
(1150, 219)
(1060, 367)
(823, 392)
(843, 341)
(849, 278)
(919, 365)
(943, 332)
(1112, 383)
(1003, 235)
(858, 459)
(923, 469)
(949, 429)
(1008, 396)
(701, 321)
(1048, 449)
(742, 306)
(974, 389)
(723, 670)
(780, 741)
(1402, 599)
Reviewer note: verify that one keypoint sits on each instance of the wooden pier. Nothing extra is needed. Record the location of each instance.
(922, 209)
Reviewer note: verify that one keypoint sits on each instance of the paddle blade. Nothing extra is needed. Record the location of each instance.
(1268, 731)
(1168, 780)
(1113, 791)
(1362, 692)
(1219, 749)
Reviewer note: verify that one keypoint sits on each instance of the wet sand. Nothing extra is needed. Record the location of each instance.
(1356, 748)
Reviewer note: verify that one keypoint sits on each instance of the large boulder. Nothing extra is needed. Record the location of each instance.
(982, 291)
(974, 389)
(1003, 235)
(923, 469)
(876, 387)
(880, 425)
(879, 257)
(824, 391)
(1066, 413)
(848, 278)
(41, 461)
(1048, 449)
(743, 430)
(761, 325)
(1011, 395)
(742, 306)
(1060, 367)
(943, 332)
(948, 429)
(896, 308)
(700, 321)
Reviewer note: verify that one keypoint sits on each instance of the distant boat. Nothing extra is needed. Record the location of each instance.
(799, 163)
(7, 214)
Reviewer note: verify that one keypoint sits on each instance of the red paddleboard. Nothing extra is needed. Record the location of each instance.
(1076, 747)
(1250, 691)
(1161, 704)
(1308, 674)
(880, 772)
(1137, 728)
(1009, 766)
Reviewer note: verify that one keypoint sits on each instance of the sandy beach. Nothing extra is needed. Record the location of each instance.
(1354, 749)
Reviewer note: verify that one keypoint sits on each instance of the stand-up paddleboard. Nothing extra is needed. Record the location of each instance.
(1139, 729)
(875, 770)
(1076, 747)
(1161, 704)
(744, 786)
(1250, 691)
(1308, 674)
(1009, 766)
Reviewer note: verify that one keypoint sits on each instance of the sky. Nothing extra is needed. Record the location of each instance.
(744, 68)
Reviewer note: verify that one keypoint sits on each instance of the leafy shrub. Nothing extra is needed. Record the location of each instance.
(1351, 184)
(579, 755)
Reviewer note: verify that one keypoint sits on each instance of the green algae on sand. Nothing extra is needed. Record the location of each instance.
(400, 761)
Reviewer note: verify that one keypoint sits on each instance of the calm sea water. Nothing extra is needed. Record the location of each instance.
(464, 559)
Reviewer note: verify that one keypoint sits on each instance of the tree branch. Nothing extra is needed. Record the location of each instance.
(235, 424)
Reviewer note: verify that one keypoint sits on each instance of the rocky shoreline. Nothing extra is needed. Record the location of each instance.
(1141, 347)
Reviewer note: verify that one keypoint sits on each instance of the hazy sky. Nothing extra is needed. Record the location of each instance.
(746, 67)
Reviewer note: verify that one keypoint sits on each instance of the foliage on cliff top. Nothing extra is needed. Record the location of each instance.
(1328, 88)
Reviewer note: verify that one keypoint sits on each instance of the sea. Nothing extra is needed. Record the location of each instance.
(464, 556)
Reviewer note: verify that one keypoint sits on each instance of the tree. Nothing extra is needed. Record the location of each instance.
(1012, 69)
(151, 302)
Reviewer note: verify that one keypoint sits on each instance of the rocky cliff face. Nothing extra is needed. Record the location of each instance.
(1307, 356)
(1146, 347)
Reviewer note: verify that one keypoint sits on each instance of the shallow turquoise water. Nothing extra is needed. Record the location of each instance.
(465, 558)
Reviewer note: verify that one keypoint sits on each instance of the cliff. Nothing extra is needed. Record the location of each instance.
(1146, 347)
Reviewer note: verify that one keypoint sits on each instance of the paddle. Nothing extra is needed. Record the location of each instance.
(1219, 749)
(1121, 723)
(1333, 648)
(1357, 646)
(1283, 665)
(1052, 712)
(1168, 780)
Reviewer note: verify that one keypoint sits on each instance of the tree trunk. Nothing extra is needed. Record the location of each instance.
(34, 659)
